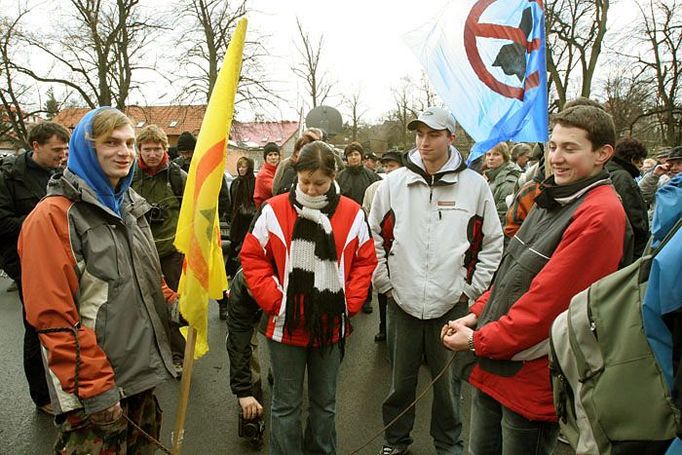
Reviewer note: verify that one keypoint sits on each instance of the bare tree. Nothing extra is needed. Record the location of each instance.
(356, 111)
(404, 111)
(97, 52)
(316, 81)
(15, 94)
(661, 27)
(631, 100)
(208, 31)
(575, 36)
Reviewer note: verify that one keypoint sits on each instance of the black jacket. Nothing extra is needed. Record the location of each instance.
(353, 182)
(243, 314)
(623, 177)
(23, 184)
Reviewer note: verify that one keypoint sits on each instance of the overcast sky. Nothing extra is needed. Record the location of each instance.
(363, 46)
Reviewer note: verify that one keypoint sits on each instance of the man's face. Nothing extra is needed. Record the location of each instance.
(116, 153)
(187, 155)
(371, 163)
(432, 144)
(272, 158)
(675, 166)
(571, 156)
(354, 159)
(50, 154)
(152, 153)
(390, 166)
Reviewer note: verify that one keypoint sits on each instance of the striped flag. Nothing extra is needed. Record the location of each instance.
(198, 232)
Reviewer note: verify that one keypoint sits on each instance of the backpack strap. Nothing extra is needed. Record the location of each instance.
(175, 180)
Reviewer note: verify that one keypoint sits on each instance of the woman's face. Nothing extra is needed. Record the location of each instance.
(354, 159)
(314, 183)
(273, 158)
(242, 168)
(494, 159)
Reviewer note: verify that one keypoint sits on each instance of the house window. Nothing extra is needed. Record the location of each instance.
(140, 124)
(173, 124)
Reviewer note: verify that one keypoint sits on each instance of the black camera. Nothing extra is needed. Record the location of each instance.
(251, 429)
(157, 214)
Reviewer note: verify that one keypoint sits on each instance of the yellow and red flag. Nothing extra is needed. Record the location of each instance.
(198, 232)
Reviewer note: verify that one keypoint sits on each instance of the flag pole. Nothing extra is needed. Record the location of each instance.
(187, 365)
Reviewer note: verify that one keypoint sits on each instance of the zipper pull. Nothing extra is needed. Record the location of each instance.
(440, 215)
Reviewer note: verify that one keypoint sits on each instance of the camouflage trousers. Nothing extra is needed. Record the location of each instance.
(79, 436)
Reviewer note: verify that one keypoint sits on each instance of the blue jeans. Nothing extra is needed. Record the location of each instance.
(410, 341)
(289, 365)
(496, 429)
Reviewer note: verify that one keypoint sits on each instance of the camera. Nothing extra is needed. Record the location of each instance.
(251, 429)
(157, 214)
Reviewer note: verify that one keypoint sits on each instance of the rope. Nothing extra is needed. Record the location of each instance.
(151, 438)
(410, 406)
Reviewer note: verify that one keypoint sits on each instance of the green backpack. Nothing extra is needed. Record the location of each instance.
(609, 391)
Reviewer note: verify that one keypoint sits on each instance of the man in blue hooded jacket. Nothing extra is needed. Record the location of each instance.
(99, 303)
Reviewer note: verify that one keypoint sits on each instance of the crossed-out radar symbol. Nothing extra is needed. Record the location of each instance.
(511, 58)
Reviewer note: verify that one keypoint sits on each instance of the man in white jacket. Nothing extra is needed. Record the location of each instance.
(438, 240)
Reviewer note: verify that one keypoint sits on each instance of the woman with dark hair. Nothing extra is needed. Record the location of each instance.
(308, 260)
(243, 209)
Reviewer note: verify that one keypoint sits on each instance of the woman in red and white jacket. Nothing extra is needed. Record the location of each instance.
(308, 262)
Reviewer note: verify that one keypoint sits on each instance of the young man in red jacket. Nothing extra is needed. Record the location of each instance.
(576, 234)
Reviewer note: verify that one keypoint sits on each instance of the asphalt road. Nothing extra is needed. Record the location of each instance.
(211, 422)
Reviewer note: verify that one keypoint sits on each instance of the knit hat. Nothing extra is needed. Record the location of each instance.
(186, 142)
(270, 147)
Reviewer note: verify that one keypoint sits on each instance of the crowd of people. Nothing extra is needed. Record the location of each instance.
(477, 259)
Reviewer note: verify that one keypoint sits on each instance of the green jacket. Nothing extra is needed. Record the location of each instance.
(163, 191)
(502, 181)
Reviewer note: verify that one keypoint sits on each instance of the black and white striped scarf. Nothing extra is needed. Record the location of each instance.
(314, 289)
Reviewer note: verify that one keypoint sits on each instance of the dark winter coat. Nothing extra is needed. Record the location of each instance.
(353, 182)
(623, 177)
(23, 183)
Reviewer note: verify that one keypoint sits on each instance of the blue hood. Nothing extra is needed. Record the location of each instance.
(668, 208)
(83, 162)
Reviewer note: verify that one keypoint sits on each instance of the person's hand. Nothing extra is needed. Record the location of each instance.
(108, 415)
(661, 169)
(457, 338)
(469, 320)
(251, 408)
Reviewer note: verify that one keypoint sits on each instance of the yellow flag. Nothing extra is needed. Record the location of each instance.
(198, 233)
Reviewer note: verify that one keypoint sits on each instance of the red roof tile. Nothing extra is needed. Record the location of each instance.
(176, 119)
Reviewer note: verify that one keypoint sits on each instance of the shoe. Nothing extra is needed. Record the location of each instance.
(562, 439)
(388, 450)
(381, 336)
(46, 409)
(367, 308)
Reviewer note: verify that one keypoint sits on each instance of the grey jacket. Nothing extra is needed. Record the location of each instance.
(97, 302)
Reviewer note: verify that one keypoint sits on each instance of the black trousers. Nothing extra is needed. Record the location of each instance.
(33, 359)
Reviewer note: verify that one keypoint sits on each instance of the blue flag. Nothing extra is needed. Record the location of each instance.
(486, 60)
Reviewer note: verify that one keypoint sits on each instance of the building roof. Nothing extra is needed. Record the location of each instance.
(257, 134)
(176, 119)
(173, 119)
